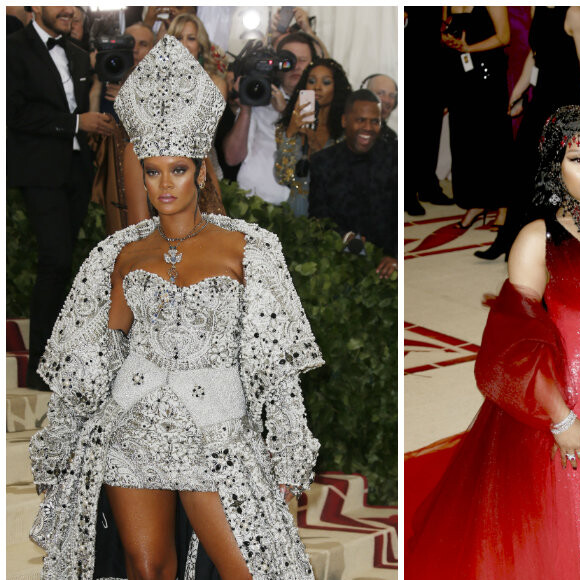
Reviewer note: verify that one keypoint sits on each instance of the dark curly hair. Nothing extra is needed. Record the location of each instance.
(560, 129)
(342, 89)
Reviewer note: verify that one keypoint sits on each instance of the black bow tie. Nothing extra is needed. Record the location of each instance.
(52, 42)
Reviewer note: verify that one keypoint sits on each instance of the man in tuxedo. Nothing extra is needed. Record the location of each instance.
(48, 158)
(355, 182)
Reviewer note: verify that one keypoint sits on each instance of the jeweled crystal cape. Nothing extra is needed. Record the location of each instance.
(81, 360)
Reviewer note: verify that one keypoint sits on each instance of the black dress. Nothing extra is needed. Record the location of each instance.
(558, 85)
(480, 128)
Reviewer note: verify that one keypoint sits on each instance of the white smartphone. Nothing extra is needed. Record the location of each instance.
(306, 97)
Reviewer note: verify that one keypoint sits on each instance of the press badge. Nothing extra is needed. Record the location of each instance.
(534, 76)
(466, 61)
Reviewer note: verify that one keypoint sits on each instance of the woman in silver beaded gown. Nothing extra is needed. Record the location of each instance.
(180, 344)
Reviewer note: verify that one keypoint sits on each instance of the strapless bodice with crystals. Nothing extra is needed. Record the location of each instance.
(179, 383)
(184, 327)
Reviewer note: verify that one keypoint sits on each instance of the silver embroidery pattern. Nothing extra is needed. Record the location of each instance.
(193, 325)
(157, 443)
(169, 105)
(157, 446)
(275, 344)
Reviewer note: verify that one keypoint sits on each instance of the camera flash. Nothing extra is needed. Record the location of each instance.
(251, 19)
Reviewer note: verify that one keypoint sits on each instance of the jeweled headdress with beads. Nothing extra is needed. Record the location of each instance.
(561, 131)
(169, 105)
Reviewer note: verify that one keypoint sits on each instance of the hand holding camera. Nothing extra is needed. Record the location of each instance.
(164, 14)
(454, 37)
(303, 20)
(354, 244)
(112, 90)
(257, 67)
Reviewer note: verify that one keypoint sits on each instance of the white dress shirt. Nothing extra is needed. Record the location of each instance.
(59, 58)
(257, 170)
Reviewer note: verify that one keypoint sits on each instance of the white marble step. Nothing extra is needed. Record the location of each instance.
(21, 507)
(17, 459)
(23, 561)
(334, 554)
(25, 409)
(11, 372)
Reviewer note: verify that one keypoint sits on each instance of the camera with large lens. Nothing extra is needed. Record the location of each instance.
(258, 68)
(114, 57)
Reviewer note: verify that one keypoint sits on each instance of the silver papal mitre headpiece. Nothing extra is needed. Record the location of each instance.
(169, 106)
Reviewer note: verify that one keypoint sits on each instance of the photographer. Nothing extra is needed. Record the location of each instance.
(251, 141)
(114, 59)
(103, 94)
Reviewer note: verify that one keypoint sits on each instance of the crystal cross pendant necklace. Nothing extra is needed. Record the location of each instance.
(173, 257)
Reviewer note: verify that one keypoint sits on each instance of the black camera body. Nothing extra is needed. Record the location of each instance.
(258, 68)
(114, 57)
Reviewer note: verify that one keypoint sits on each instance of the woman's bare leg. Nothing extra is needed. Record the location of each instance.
(206, 515)
(501, 215)
(145, 519)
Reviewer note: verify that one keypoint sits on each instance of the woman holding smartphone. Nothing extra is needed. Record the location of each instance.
(304, 129)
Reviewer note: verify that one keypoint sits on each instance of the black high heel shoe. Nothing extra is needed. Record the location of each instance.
(462, 226)
(497, 248)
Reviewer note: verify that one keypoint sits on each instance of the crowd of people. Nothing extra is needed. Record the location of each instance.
(169, 374)
(269, 150)
(488, 97)
(175, 395)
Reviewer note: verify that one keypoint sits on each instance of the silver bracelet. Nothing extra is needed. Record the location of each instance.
(564, 425)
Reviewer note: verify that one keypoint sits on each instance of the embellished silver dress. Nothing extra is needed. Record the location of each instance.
(202, 395)
(179, 384)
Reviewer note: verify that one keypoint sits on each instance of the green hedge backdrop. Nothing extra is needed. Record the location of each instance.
(352, 400)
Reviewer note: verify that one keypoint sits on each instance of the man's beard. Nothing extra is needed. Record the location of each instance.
(52, 23)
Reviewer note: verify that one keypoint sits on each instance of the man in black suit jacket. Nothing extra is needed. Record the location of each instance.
(355, 182)
(48, 81)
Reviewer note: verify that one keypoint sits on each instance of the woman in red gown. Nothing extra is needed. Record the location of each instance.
(508, 507)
